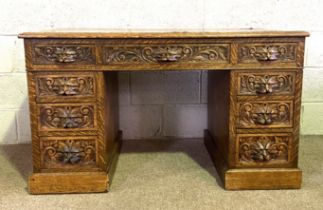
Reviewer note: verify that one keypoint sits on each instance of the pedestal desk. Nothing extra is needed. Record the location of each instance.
(254, 102)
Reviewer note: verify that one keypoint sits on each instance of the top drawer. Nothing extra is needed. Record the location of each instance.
(62, 52)
(270, 54)
(164, 53)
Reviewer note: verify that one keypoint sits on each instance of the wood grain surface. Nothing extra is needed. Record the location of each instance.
(108, 33)
(254, 102)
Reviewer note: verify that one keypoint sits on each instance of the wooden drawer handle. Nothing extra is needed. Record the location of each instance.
(267, 54)
(264, 89)
(69, 56)
(62, 54)
(263, 118)
(166, 54)
(167, 58)
(266, 115)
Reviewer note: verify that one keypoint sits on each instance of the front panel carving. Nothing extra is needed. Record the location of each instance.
(265, 114)
(167, 53)
(63, 54)
(264, 149)
(255, 84)
(66, 117)
(65, 86)
(68, 152)
(249, 53)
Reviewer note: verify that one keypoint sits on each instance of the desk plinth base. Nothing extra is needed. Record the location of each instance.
(252, 178)
(72, 182)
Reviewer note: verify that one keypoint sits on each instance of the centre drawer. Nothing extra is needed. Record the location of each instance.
(164, 54)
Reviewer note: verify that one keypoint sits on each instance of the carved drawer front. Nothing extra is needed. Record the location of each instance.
(166, 53)
(65, 86)
(68, 152)
(67, 117)
(55, 54)
(265, 114)
(263, 149)
(268, 53)
(280, 83)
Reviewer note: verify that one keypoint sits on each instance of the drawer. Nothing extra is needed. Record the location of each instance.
(265, 114)
(154, 54)
(273, 83)
(67, 86)
(63, 53)
(263, 149)
(68, 152)
(67, 117)
(260, 54)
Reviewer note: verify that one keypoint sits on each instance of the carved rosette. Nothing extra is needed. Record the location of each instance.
(263, 149)
(63, 54)
(265, 114)
(267, 52)
(252, 84)
(68, 153)
(65, 86)
(67, 117)
(169, 53)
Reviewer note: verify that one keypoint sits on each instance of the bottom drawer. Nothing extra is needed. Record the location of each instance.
(68, 152)
(260, 150)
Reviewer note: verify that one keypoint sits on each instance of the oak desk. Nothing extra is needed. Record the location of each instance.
(254, 101)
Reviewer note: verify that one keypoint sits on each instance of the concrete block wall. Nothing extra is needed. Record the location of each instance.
(154, 104)
(162, 104)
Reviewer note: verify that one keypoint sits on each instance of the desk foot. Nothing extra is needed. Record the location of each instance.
(263, 179)
(76, 182)
(252, 178)
(71, 182)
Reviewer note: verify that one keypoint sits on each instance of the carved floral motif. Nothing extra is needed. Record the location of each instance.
(266, 84)
(267, 52)
(67, 117)
(263, 148)
(63, 54)
(65, 86)
(169, 53)
(264, 114)
(69, 152)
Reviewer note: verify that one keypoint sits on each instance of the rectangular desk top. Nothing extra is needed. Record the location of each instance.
(99, 49)
(112, 33)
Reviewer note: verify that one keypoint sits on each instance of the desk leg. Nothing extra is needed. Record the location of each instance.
(79, 158)
(222, 140)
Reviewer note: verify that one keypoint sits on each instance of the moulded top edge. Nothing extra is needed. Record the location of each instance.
(108, 33)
